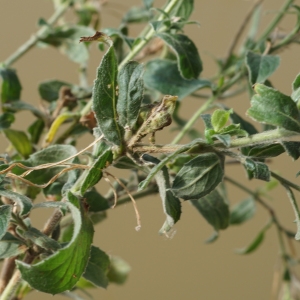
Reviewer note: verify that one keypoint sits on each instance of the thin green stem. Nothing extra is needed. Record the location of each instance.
(193, 119)
(256, 197)
(39, 34)
(275, 21)
(148, 36)
(285, 182)
(260, 138)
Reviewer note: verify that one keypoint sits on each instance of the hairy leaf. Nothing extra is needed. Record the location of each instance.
(105, 97)
(52, 154)
(10, 246)
(5, 212)
(131, 89)
(272, 107)
(199, 176)
(292, 149)
(256, 242)
(163, 75)
(23, 201)
(261, 67)
(6, 119)
(265, 151)
(94, 174)
(20, 141)
(257, 170)
(242, 211)
(41, 239)
(171, 204)
(11, 86)
(35, 130)
(60, 271)
(189, 62)
(97, 268)
(159, 166)
(118, 271)
(183, 9)
(96, 202)
(49, 90)
(296, 89)
(19, 105)
(219, 119)
(214, 208)
(236, 119)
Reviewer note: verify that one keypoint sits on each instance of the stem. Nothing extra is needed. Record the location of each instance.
(256, 197)
(275, 21)
(260, 138)
(193, 119)
(148, 35)
(39, 34)
(285, 182)
(240, 31)
(6, 272)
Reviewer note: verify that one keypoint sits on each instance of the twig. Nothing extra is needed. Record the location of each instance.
(7, 271)
(240, 31)
(39, 34)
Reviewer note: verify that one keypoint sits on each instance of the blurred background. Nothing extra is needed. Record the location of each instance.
(182, 267)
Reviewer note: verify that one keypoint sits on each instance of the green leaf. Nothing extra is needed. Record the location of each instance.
(159, 166)
(10, 87)
(10, 246)
(66, 38)
(97, 268)
(131, 89)
(137, 15)
(23, 201)
(261, 67)
(35, 130)
(219, 118)
(19, 105)
(20, 141)
(94, 174)
(183, 9)
(257, 170)
(236, 119)
(118, 271)
(171, 204)
(189, 62)
(292, 149)
(265, 151)
(256, 242)
(125, 162)
(5, 212)
(199, 177)
(296, 89)
(272, 107)
(214, 208)
(6, 119)
(51, 154)
(60, 271)
(41, 239)
(163, 75)
(105, 97)
(242, 211)
(212, 238)
(96, 202)
(49, 90)
(223, 138)
(148, 3)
